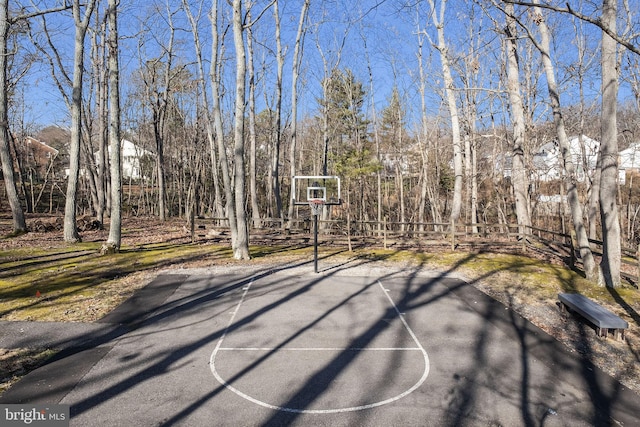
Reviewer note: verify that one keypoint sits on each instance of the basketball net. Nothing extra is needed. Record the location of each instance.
(316, 206)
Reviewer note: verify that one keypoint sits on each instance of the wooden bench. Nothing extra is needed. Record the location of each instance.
(603, 319)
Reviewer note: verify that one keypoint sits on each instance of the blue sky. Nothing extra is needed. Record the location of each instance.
(380, 35)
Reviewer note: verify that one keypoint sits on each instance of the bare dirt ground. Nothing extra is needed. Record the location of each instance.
(619, 358)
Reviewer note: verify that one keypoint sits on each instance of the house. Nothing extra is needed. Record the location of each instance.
(36, 156)
(131, 156)
(628, 162)
(548, 164)
(629, 159)
(502, 163)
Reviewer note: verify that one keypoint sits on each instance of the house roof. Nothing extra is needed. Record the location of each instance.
(35, 144)
(128, 148)
(581, 148)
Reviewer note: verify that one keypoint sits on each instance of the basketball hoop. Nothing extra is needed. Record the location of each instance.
(317, 191)
(316, 206)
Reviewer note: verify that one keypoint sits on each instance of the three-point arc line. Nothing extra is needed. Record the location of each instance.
(222, 381)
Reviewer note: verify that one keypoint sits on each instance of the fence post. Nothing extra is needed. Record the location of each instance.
(453, 234)
(384, 232)
(192, 225)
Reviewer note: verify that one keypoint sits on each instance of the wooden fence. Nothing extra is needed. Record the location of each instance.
(398, 235)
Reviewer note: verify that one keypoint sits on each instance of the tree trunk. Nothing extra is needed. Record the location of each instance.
(115, 227)
(81, 23)
(241, 246)
(19, 156)
(19, 222)
(162, 197)
(609, 152)
(160, 115)
(217, 120)
(275, 162)
(594, 196)
(518, 172)
(422, 137)
(253, 184)
(101, 107)
(295, 73)
(438, 21)
(400, 195)
(589, 263)
(474, 183)
(217, 202)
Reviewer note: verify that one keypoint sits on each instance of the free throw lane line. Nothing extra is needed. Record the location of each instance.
(218, 348)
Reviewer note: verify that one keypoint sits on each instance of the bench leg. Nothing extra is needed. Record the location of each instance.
(618, 334)
(602, 332)
(565, 311)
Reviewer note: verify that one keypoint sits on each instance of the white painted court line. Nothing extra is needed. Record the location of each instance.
(222, 381)
(319, 349)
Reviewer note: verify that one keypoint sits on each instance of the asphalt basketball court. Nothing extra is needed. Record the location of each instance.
(343, 347)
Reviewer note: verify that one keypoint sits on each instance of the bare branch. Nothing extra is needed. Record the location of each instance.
(60, 78)
(248, 16)
(36, 13)
(595, 21)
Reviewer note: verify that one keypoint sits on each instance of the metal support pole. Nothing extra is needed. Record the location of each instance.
(315, 243)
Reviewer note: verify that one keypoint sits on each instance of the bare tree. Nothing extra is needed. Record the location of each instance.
(239, 242)
(589, 263)
(611, 262)
(101, 88)
(253, 184)
(518, 173)
(115, 227)
(582, 66)
(608, 154)
(81, 19)
(158, 80)
(598, 22)
(469, 70)
(329, 67)
(295, 74)
(19, 222)
(275, 160)
(216, 96)
(217, 203)
(449, 89)
(376, 133)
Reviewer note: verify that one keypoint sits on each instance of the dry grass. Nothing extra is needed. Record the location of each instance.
(16, 363)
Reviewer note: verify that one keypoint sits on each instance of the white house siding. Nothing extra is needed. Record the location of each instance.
(630, 158)
(131, 155)
(548, 162)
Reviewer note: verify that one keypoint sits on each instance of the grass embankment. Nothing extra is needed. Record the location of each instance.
(75, 283)
(532, 279)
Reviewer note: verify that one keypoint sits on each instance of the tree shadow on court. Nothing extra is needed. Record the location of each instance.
(607, 399)
(162, 363)
(460, 405)
(537, 400)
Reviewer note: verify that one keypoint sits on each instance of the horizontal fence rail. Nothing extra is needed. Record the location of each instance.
(389, 234)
